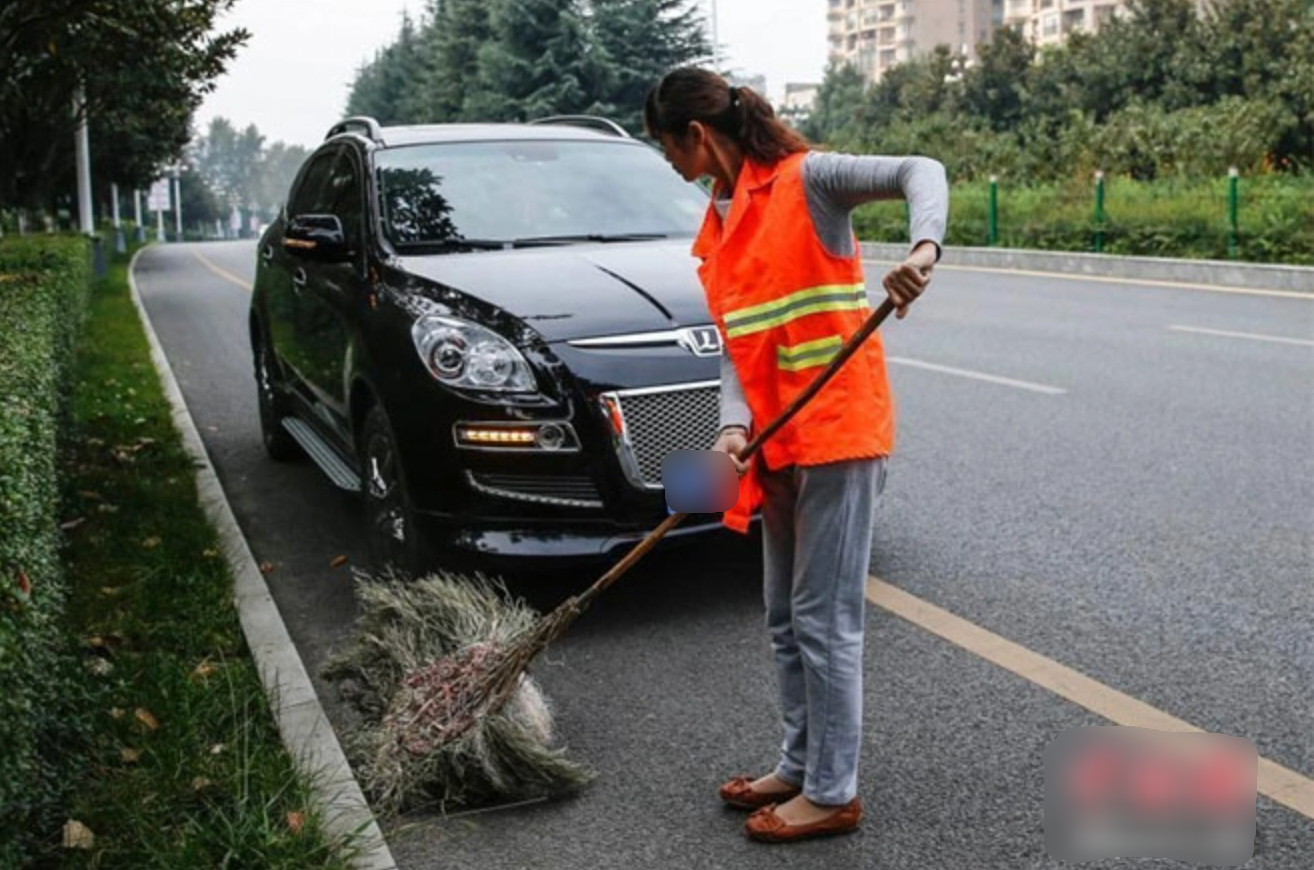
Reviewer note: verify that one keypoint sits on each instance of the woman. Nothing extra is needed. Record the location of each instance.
(783, 277)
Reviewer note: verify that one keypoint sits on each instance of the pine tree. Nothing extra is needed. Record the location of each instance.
(539, 62)
(638, 41)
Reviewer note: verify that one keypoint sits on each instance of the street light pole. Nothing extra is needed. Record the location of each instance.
(177, 206)
(83, 149)
(716, 42)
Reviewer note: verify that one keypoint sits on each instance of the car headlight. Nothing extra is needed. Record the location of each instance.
(468, 356)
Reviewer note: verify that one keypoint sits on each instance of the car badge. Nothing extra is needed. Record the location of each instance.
(701, 340)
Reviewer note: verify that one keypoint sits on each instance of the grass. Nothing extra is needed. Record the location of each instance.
(186, 768)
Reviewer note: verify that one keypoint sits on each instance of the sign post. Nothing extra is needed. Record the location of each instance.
(158, 202)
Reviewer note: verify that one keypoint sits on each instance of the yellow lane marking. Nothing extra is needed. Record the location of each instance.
(220, 271)
(1138, 282)
(1276, 782)
(1253, 336)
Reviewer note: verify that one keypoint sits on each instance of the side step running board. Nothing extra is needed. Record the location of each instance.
(325, 456)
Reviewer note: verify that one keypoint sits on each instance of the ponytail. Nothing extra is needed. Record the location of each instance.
(689, 94)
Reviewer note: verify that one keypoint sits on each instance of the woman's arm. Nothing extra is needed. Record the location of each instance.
(734, 407)
(835, 184)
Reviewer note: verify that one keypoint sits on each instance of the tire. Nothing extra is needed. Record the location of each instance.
(390, 528)
(279, 444)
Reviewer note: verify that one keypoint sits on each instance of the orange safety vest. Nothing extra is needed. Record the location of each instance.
(784, 306)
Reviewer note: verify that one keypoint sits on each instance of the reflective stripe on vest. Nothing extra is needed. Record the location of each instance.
(809, 354)
(777, 312)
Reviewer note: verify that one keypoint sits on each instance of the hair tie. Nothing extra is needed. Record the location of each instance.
(734, 97)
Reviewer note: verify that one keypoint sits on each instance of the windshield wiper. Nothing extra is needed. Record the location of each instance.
(588, 237)
(453, 244)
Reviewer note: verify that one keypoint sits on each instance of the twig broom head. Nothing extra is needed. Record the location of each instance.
(438, 670)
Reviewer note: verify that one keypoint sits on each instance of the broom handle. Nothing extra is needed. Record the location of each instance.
(641, 549)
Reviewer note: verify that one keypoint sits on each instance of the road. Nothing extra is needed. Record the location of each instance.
(1090, 475)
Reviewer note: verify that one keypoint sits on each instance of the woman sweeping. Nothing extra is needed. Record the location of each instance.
(784, 283)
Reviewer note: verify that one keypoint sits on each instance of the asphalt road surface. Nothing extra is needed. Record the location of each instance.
(1117, 479)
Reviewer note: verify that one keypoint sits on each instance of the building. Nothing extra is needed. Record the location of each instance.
(1048, 22)
(756, 81)
(800, 97)
(875, 35)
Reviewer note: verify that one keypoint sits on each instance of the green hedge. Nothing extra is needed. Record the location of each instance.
(1167, 218)
(44, 288)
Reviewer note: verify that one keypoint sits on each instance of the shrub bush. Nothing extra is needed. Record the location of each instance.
(44, 288)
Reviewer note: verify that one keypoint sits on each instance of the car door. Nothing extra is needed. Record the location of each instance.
(286, 276)
(331, 294)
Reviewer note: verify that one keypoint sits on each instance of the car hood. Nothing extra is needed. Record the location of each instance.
(579, 291)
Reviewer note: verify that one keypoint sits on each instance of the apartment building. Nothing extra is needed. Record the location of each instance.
(874, 35)
(1048, 22)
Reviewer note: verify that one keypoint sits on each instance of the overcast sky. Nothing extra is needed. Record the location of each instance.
(292, 78)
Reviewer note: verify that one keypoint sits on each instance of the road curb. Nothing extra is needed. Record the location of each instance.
(1213, 273)
(305, 729)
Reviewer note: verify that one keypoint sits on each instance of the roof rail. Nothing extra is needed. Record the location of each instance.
(363, 124)
(591, 122)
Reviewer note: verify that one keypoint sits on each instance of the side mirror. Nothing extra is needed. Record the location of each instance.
(316, 235)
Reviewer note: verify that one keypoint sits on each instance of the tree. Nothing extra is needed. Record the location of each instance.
(995, 88)
(540, 61)
(834, 116)
(145, 67)
(637, 42)
(384, 87)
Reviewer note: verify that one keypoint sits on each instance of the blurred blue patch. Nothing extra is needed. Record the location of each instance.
(699, 481)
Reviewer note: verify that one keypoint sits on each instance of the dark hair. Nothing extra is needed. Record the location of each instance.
(691, 94)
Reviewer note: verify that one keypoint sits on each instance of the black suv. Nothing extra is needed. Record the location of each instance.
(492, 332)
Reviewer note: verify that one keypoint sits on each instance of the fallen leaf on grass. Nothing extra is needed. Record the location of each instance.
(203, 670)
(93, 496)
(107, 508)
(131, 756)
(117, 712)
(72, 524)
(151, 543)
(217, 749)
(338, 562)
(295, 822)
(144, 717)
(78, 835)
(209, 553)
(99, 666)
(201, 783)
(111, 590)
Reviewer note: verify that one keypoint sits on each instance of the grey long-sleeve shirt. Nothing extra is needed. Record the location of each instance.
(835, 184)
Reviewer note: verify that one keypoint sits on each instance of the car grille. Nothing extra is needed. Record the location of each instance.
(565, 490)
(663, 419)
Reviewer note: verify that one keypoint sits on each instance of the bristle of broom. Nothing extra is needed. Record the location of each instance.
(416, 641)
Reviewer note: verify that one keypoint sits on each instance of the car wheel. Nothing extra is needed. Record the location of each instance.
(390, 526)
(279, 444)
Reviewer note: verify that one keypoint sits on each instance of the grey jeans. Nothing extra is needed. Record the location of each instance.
(817, 530)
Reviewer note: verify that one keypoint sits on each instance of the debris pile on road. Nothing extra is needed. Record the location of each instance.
(421, 648)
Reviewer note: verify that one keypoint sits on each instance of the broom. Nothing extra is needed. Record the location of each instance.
(447, 703)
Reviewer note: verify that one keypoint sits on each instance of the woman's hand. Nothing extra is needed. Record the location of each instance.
(733, 440)
(908, 280)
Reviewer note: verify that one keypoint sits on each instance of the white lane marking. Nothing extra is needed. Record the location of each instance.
(1284, 785)
(977, 376)
(1127, 282)
(1252, 336)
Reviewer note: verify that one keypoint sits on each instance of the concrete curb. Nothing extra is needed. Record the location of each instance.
(1216, 273)
(305, 729)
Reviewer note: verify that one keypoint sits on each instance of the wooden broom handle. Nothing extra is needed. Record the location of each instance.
(849, 349)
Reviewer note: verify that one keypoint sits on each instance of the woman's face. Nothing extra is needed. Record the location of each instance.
(687, 154)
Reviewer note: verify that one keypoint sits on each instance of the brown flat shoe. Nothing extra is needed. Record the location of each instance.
(739, 793)
(767, 827)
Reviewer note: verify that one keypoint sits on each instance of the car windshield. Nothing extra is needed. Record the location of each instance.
(507, 193)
